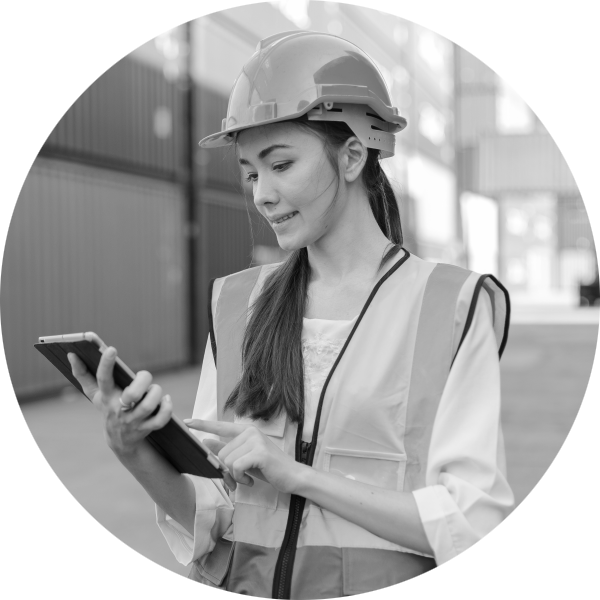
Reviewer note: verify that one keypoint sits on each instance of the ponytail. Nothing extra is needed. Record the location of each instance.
(273, 375)
(272, 378)
(382, 198)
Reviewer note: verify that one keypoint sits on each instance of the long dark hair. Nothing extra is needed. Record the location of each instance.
(272, 366)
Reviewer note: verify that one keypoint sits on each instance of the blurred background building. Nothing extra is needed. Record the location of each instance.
(513, 180)
(111, 218)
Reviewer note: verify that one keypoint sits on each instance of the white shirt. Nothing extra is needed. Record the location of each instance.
(322, 341)
(466, 493)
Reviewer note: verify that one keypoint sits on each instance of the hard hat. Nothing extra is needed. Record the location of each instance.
(316, 74)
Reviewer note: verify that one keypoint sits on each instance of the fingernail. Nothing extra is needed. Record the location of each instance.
(187, 420)
(110, 352)
(167, 398)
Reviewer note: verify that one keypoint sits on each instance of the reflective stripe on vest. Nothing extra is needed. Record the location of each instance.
(230, 325)
(378, 409)
(431, 364)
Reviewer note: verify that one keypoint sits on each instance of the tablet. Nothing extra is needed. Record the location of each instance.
(174, 441)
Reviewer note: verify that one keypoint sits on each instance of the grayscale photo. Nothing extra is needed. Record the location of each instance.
(300, 300)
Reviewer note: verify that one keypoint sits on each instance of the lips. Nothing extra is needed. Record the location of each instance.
(278, 220)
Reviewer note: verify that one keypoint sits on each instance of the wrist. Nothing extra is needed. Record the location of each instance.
(127, 454)
(302, 480)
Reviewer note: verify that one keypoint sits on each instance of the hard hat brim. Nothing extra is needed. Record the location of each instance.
(227, 137)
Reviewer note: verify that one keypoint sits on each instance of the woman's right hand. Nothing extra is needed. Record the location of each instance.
(124, 429)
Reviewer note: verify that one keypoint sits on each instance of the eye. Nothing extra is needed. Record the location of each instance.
(282, 166)
(251, 177)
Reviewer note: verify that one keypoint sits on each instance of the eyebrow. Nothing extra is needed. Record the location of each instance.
(264, 153)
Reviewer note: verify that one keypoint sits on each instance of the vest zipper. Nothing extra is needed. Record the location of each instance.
(305, 452)
(282, 581)
(286, 581)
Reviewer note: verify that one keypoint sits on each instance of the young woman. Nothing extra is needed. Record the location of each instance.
(353, 390)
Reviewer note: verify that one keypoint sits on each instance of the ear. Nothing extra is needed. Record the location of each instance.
(353, 156)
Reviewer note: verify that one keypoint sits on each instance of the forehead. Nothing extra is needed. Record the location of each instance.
(251, 141)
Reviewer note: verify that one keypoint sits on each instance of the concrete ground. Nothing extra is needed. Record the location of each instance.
(75, 525)
(551, 417)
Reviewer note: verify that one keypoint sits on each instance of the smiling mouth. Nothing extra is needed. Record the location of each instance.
(283, 219)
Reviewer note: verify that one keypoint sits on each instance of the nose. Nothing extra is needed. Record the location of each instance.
(264, 193)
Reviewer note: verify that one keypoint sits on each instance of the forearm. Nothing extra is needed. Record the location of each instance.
(388, 514)
(171, 490)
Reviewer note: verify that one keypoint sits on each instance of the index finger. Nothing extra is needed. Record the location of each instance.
(104, 373)
(220, 428)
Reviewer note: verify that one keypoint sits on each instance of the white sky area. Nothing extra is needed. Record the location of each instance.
(480, 229)
(564, 47)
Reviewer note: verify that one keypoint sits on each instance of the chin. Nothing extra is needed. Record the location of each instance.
(289, 244)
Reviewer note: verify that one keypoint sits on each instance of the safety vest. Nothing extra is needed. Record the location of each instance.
(374, 424)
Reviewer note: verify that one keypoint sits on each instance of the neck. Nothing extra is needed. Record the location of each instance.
(354, 247)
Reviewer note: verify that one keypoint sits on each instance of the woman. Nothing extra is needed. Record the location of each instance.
(356, 401)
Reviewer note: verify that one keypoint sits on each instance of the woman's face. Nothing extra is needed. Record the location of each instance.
(293, 182)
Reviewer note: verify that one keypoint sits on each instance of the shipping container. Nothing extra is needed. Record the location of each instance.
(62, 93)
(89, 249)
(235, 230)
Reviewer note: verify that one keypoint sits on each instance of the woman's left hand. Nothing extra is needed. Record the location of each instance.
(250, 451)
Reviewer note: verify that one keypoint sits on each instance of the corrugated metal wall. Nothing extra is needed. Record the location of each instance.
(63, 91)
(91, 249)
(232, 234)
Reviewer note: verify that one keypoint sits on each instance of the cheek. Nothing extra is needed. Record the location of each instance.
(311, 192)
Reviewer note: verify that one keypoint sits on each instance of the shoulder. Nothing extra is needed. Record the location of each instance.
(439, 281)
(443, 271)
(466, 289)
(444, 277)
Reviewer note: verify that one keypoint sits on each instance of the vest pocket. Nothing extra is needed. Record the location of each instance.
(381, 469)
(262, 493)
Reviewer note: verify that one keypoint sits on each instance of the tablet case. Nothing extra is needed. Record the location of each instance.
(174, 442)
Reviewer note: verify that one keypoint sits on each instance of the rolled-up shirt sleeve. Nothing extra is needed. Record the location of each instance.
(214, 509)
(466, 493)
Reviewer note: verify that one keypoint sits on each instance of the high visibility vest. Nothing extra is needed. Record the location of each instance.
(375, 421)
